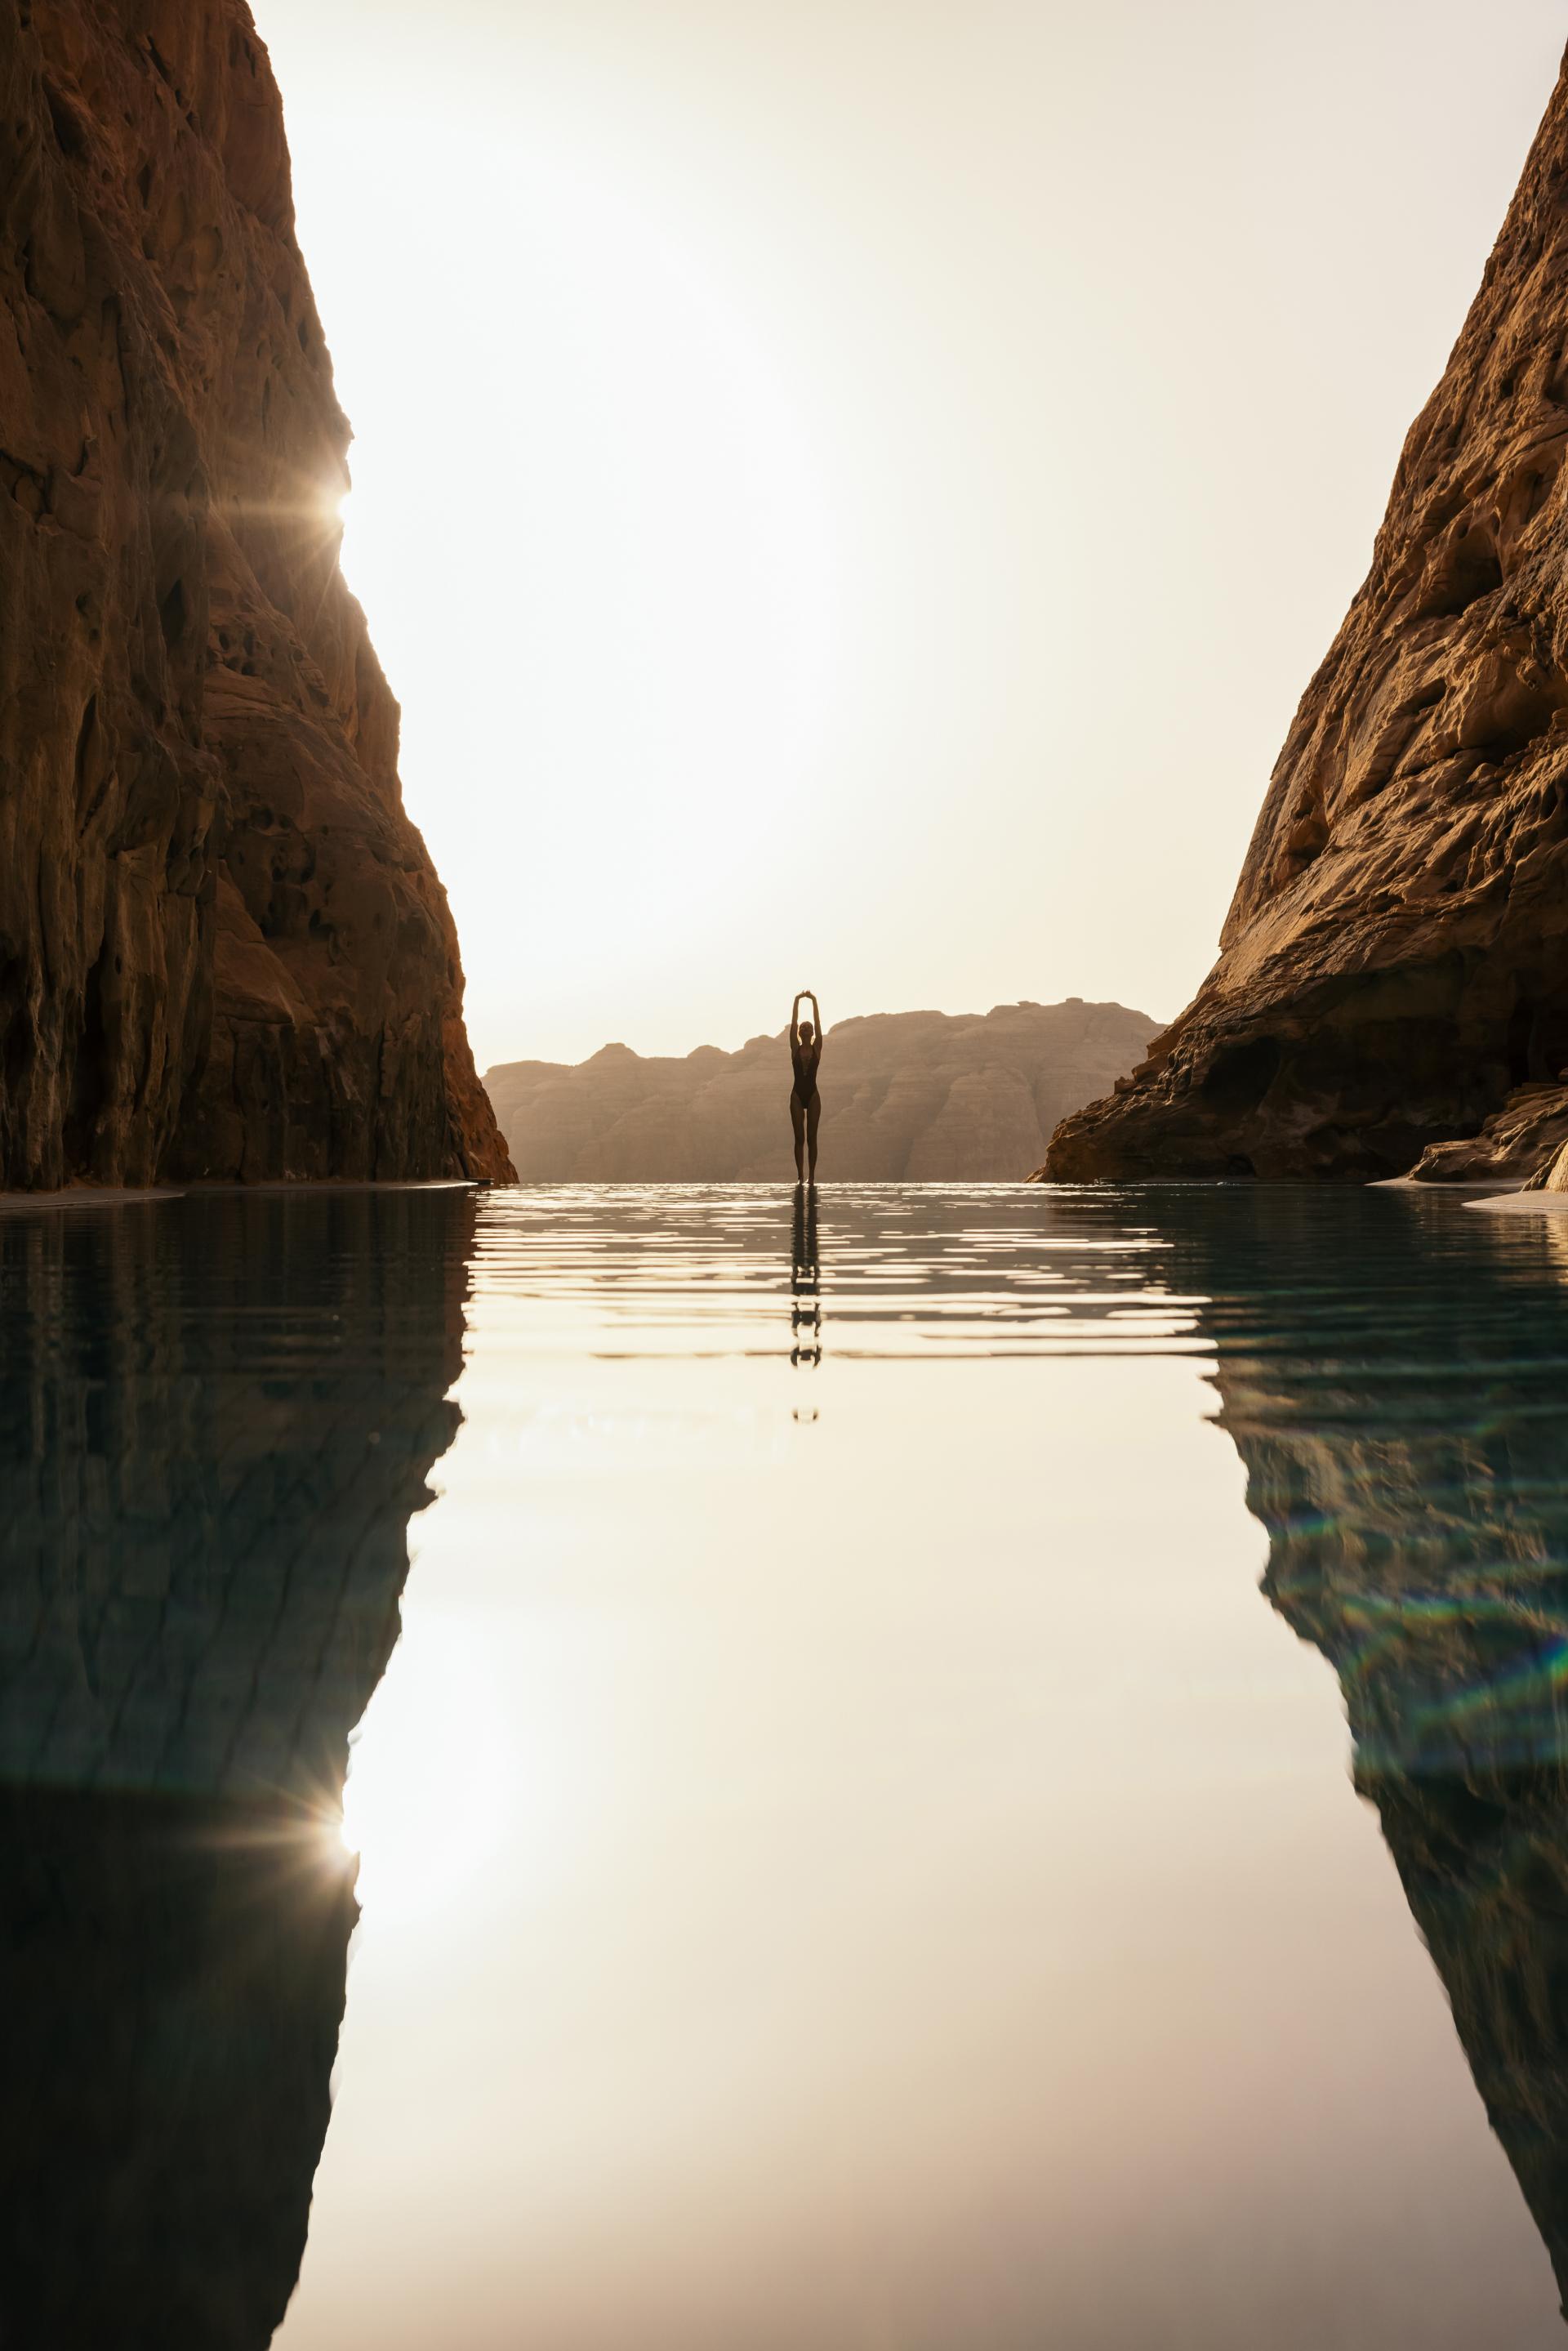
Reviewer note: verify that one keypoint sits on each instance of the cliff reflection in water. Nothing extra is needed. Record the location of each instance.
(217, 1417)
(1411, 1469)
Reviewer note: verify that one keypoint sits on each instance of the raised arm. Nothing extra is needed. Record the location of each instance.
(816, 1017)
(795, 1021)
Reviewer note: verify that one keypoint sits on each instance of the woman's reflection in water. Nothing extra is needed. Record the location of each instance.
(806, 1288)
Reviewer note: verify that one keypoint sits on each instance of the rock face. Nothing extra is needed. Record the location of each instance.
(1396, 957)
(1554, 1176)
(218, 1418)
(223, 951)
(1516, 1144)
(922, 1096)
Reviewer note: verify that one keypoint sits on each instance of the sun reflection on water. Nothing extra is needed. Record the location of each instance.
(434, 1790)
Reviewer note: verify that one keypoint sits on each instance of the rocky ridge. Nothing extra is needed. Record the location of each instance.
(223, 951)
(1396, 958)
(916, 1096)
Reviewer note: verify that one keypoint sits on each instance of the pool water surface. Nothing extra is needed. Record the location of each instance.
(954, 1769)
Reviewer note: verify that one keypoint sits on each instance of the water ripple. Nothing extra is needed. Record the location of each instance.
(880, 1270)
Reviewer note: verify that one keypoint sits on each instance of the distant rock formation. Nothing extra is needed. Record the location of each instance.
(217, 1419)
(1396, 957)
(922, 1096)
(223, 949)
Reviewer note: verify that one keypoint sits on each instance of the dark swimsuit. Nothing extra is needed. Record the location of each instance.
(805, 1091)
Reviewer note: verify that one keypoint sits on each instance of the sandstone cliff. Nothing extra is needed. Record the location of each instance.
(1516, 1144)
(217, 1421)
(223, 949)
(924, 1096)
(1396, 957)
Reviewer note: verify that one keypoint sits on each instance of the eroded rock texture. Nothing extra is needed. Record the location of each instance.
(223, 951)
(1516, 1144)
(1396, 957)
(928, 1097)
(218, 1418)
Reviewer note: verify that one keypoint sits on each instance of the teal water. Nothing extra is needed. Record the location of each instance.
(977, 1771)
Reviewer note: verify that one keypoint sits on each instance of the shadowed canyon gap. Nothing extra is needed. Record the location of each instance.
(203, 1557)
(922, 1097)
(223, 951)
(1394, 960)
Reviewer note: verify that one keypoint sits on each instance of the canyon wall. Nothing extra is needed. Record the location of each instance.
(223, 951)
(218, 1419)
(920, 1096)
(1395, 956)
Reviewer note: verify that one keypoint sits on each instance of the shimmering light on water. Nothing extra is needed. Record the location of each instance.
(922, 1902)
(847, 1854)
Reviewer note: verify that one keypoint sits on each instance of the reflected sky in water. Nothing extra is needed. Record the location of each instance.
(845, 1852)
(684, 1268)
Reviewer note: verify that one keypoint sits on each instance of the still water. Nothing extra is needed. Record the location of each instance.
(838, 1850)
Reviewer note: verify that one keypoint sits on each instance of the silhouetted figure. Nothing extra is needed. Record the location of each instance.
(805, 1277)
(804, 1102)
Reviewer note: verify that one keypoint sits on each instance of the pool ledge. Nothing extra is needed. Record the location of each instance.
(110, 1196)
(1523, 1204)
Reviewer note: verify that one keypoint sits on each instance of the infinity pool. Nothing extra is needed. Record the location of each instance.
(845, 1852)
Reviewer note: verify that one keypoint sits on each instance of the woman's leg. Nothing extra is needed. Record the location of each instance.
(798, 1120)
(812, 1119)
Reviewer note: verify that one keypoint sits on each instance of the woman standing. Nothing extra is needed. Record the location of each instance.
(804, 1102)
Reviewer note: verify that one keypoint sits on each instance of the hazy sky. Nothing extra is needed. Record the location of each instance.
(850, 492)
